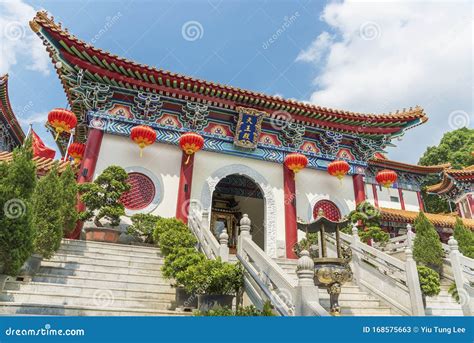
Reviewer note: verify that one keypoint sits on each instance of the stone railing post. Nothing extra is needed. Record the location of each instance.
(410, 236)
(305, 290)
(245, 225)
(205, 219)
(224, 247)
(454, 257)
(355, 254)
(413, 283)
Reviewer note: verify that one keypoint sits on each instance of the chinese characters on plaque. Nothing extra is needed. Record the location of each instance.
(248, 127)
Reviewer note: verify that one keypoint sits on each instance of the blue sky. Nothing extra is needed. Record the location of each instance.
(339, 54)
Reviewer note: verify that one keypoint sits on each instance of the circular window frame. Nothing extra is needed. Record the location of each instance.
(157, 182)
(331, 203)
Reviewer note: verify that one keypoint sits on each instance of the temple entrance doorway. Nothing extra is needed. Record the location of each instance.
(234, 196)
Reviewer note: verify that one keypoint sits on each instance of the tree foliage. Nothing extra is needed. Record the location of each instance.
(456, 148)
(427, 249)
(143, 227)
(17, 183)
(102, 196)
(465, 238)
(241, 311)
(367, 218)
(308, 243)
(429, 281)
(48, 214)
(69, 199)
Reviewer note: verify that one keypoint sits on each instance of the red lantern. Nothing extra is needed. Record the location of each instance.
(62, 120)
(296, 161)
(338, 169)
(76, 151)
(143, 136)
(386, 178)
(191, 142)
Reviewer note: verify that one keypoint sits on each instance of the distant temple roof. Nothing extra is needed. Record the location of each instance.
(453, 178)
(7, 117)
(106, 68)
(43, 165)
(439, 220)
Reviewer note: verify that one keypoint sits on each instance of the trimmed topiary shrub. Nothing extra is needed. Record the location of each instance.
(48, 217)
(241, 311)
(143, 227)
(429, 281)
(17, 183)
(69, 200)
(167, 224)
(374, 233)
(172, 240)
(427, 249)
(465, 238)
(179, 260)
(102, 196)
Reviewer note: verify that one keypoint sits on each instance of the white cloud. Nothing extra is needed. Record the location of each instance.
(18, 43)
(35, 118)
(380, 57)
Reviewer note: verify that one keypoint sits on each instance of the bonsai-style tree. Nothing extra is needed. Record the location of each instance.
(367, 217)
(102, 196)
(465, 238)
(69, 199)
(427, 248)
(17, 183)
(48, 216)
(143, 226)
(429, 282)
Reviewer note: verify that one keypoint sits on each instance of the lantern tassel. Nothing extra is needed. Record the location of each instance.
(187, 160)
(57, 136)
(141, 152)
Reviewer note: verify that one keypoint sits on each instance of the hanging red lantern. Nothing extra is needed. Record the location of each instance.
(62, 120)
(386, 178)
(191, 142)
(143, 136)
(76, 151)
(338, 169)
(296, 161)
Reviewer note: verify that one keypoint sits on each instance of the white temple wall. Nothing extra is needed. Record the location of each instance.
(160, 162)
(411, 201)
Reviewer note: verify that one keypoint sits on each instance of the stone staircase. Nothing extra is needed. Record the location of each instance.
(353, 301)
(443, 304)
(87, 278)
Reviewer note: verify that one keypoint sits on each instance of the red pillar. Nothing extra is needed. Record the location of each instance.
(470, 201)
(359, 188)
(184, 188)
(289, 189)
(86, 173)
(420, 201)
(400, 196)
(376, 197)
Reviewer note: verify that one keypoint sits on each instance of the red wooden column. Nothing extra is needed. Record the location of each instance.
(86, 173)
(359, 188)
(400, 196)
(289, 189)
(470, 201)
(420, 201)
(184, 188)
(376, 197)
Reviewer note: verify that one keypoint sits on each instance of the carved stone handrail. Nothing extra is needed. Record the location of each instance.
(463, 271)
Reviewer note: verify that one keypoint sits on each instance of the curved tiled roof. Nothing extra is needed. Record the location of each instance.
(413, 168)
(446, 184)
(6, 112)
(105, 67)
(43, 165)
(440, 220)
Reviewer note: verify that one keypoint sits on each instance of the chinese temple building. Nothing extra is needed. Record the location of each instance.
(246, 137)
(11, 134)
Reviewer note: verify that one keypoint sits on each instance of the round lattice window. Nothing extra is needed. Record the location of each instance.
(329, 208)
(141, 194)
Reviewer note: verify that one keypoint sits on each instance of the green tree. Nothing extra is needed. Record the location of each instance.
(429, 282)
(465, 238)
(427, 249)
(17, 183)
(103, 195)
(456, 148)
(48, 216)
(367, 218)
(143, 227)
(69, 199)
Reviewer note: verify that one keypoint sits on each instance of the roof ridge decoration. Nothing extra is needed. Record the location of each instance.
(7, 116)
(114, 70)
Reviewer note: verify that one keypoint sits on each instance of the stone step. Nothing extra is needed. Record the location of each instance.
(101, 299)
(110, 254)
(11, 308)
(111, 246)
(349, 296)
(107, 262)
(55, 268)
(347, 311)
(103, 283)
(353, 303)
(443, 312)
(55, 288)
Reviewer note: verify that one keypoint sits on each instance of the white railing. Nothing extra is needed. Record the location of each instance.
(463, 271)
